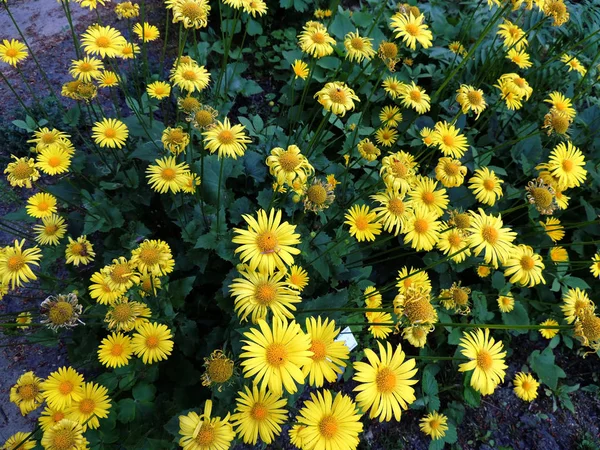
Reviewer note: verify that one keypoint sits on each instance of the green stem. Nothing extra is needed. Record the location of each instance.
(219, 197)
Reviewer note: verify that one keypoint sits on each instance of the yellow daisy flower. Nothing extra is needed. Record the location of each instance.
(385, 383)
(300, 69)
(566, 164)
(289, 165)
(66, 434)
(386, 136)
(486, 186)
(19, 440)
(450, 172)
(21, 172)
(110, 133)
(158, 90)
(393, 87)
(520, 58)
(424, 194)
(512, 35)
(486, 360)
(190, 77)
(525, 386)
(80, 251)
(363, 223)
(422, 229)
(393, 211)
(115, 350)
(51, 231)
(274, 355)
(453, 241)
(315, 41)
(41, 205)
(146, 32)
(12, 52)
(390, 116)
(105, 41)
(166, 175)
(53, 160)
(337, 97)
(553, 229)
(487, 234)
(297, 278)
(62, 387)
(203, 432)
(152, 342)
(413, 96)
(267, 243)
(549, 333)
(449, 140)
(228, 141)
(506, 303)
(471, 99)
(15, 264)
(412, 30)
(524, 266)
(368, 150)
(358, 47)
(255, 7)
(86, 69)
(434, 425)
(26, 393)
(94, 404)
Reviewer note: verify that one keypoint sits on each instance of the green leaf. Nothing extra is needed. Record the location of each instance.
(126, 409)
(254, 28)
(472, 397)
(329, 62)
(543, 364)
(179, 289)
(341, 25)
(518, 316)
(144, 392)
(498, 281)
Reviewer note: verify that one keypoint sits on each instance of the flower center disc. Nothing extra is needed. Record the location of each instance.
(484, 360)
(328, 426)
(276, 355)
(267, 242)
(490, 234)
(385, 380)
(319, 349)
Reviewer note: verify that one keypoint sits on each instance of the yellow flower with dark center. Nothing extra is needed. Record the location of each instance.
(228, 141)
(110, 133)
(549, 333)
(61, 311)
(486, 360)
(191, 13)
(146, 32)
(329, 355)
(258, 293)
(152, 342)
(12, 52)
(267, 243)
(412, 30)
(512, 35)
(94, 404)
(378, 324)
(557, 10)
(101, 289)
(595, 267)
(125, 315)
(483, 271)
(422, 228)
(542, 196)
(363, 223)
(453, 242)
(259, 414)
(390, 116)
(486, 186)
(556, 121)
(80, 251)
(319, 196)
(385, 383)
(190, 77)
(19, 440)
(358, 47)
(315, 41)
(450, 172)
(460, 220)
(50, 417)
(166, 175)
(158, 90)
(121, 274)
(456, 298)
(175, 140)
(53, 160)
(576, 304)
(520, 58)
(416, 335)
(297, 278)
(115, 350)
(398, 171)
(567, 163)
(449, 140)
(524, 266)
(558, 255)
(105, 41)
(525, 386)
(255, 7)
(587, 330)
(471, 99)
(457, 48)
(412, 278)
(300, 69)
(506, 303)
(21, 172)
(41, 205)
(51, 231)
(65, 435)
(386, 136)
(15, 264)
(388, 52)
(203, 432)
(127, 10)
(487, 234)
(393, 87)
(274, 355)
(62, 387)
(153, 256)
(289, 165)
(86, 69)
(26, 393)
(425, 195)
(393, 211)
(337, 97)
(44, 137)
(219, 369)
(22, 320)
(413, 96)
(128, 50)
(434, 425)
(553, 229)
(201, 116)
(573, 64)
(326, 422)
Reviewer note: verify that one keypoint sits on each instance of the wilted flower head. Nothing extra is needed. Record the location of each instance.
(61, 311)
